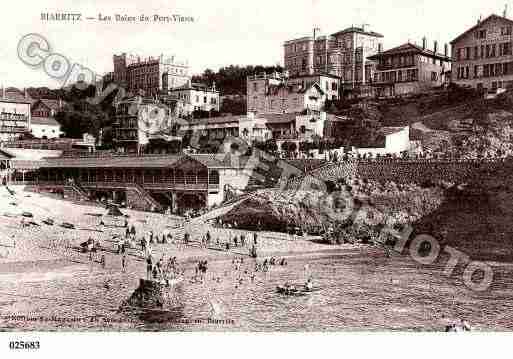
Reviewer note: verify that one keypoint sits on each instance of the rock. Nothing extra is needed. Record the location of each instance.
(150, 295)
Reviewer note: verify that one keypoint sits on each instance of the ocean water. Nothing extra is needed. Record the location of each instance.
(361, 290)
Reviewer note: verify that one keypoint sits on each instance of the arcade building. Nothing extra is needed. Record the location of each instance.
(150, 182)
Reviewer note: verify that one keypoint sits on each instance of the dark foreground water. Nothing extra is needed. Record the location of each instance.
(362, 290)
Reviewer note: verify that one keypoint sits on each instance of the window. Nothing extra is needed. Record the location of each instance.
(399, 76)
(482, 34)
(197, 98)
(487, 51)
(334, 86)
(255, 86)
(434, 76)
(506, 48)
(476, 71)
(467, 53)
(482, 51)
(492, 54)
(205, 99)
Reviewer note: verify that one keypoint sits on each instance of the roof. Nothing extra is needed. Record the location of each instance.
(319, 74)
(30, 154)
(149, 161)
(357, 30)
(14, 95)
(48, 121)
(491, 17)
(51, 103)
(273, 89)
(5, 155)
(214, 120)
(279, 117)
(391, 130)
(194, 86)
(26, 164)
(407, 48)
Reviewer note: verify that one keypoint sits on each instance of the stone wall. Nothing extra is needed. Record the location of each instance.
(410, 171)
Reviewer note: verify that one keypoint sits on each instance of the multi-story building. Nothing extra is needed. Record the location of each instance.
(140, 120)
(15, 115)
(197, 97)
(482, 56)
(343, 54)
(330, 84)
(150, 76)
(275, 94)
(409, 69)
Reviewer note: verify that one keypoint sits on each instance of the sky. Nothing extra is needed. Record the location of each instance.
(223, 32)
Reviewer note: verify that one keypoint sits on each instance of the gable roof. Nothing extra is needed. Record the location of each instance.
(48, 121)
(358, 30)
(491, 17)
(409, 47)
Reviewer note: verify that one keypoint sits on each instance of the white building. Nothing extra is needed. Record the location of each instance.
(197, 97)
(396, 141)
(45, 128)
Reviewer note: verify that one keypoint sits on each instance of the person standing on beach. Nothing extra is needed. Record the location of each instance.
(123, 263)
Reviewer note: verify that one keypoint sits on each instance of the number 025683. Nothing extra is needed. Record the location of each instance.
(24, 345)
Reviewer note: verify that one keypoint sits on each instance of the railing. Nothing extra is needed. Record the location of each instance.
(165, 185)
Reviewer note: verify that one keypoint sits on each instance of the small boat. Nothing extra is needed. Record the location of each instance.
(292, 290)
(49, 222)
(68, 225)
(27, 215)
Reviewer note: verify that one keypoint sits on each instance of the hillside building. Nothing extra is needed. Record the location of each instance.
(343, 54)
(409, 69)
(482, 55)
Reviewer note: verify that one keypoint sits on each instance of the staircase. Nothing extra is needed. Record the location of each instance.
(150, 202)
(75, 191)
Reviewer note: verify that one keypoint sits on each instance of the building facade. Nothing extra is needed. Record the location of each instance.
(274, 94)
(330, 84)
(15, 116)
(343, 54)
(149, 76)
(196, 97)
(409, 69)
(482, 56)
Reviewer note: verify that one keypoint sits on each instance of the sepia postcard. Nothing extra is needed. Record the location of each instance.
(307, 166)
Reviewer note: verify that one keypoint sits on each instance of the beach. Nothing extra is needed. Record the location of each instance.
(48, 284)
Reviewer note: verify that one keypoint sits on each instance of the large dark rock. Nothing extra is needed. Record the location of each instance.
(152, 295)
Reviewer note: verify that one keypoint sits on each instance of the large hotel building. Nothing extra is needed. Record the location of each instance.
(482, 56)
(150, 76)
(343, 54)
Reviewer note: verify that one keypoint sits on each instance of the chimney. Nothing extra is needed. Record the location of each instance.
(316, 32)
(435, 47)
(505, 13)
(380, 48)
(479, 20)
(446, 50)
(3, 92)
(424, 43)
